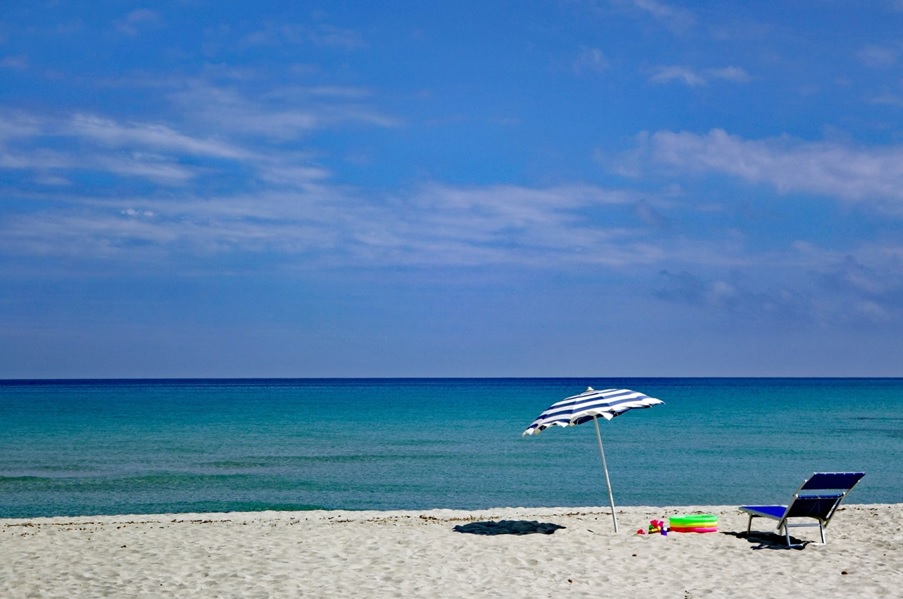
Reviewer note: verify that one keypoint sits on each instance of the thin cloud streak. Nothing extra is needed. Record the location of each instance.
(18, 62)
(873, 175)
(284, 114)
(323, 35)
(436, 225)
(693, 77)
(99, 148)
(111, 133)
(135, 21)
(676, 19)
(142, 150)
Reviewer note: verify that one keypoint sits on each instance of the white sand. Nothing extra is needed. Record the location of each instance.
(419, 554)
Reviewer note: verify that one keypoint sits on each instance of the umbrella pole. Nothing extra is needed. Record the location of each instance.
(611, 498)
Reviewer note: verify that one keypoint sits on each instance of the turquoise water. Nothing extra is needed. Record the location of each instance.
(130, 447)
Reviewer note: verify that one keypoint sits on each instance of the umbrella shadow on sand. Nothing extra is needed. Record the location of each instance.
(508, 527)
(768, 540)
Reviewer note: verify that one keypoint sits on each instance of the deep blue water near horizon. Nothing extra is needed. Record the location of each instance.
(87, 447)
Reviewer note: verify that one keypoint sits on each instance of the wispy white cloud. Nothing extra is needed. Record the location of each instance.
(55, 166)
(227, 107)
(517, 224)
(879, 57)
(19, 62)
(139, 18)
(859, 286)
(686, 75)
(155, 167)
(292, 172)
(322, 34)
(329, 35)
(827, 168)
(736, 294)
(735, 74)
(440, 226)
(322, 224)
(109, 132)
(693, 77)
(676, 18)
(887, 99)
(287, 113)
(245, 132)
(591, 59)
(40, 160)
(50, 180)
(18, 124)
(149, 151)
(295, 209)
(862, 285)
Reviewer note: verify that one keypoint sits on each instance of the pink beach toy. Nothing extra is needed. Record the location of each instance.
(656, 526)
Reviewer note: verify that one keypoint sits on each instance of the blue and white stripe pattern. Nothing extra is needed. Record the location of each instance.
(578, 409)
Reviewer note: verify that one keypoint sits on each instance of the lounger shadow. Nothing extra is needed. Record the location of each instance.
(816, 499)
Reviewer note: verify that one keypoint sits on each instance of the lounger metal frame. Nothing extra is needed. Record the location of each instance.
(826, 492)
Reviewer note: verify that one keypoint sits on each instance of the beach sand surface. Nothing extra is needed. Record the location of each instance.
(510, 552)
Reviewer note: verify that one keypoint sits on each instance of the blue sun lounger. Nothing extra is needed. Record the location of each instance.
(816, 499)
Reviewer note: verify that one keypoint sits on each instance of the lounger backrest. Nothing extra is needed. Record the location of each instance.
(841, 481)
(830, 489)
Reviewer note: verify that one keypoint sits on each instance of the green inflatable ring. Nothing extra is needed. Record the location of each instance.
(693, 520)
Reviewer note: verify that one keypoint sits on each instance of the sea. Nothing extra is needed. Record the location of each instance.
(92, 447)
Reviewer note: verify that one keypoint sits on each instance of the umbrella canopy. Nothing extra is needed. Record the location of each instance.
(581, 408)
(590, 405)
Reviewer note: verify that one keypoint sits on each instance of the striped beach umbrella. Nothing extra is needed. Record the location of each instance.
(591, 405)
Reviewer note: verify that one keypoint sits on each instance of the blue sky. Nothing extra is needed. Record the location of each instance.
(549, 188)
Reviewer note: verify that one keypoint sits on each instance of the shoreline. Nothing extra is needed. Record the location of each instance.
(501, 552)
(449, 514)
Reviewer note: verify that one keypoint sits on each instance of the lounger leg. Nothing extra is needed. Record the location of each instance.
(787, 534)
(821, 529)
(749, 525)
